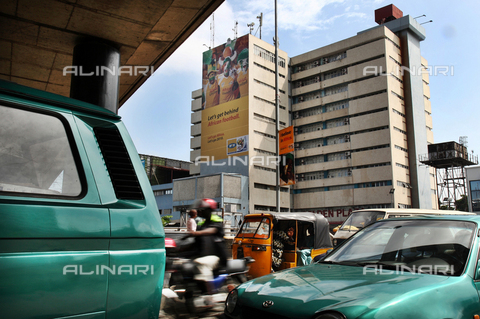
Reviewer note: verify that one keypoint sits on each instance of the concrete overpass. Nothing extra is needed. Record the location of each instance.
(37, 37)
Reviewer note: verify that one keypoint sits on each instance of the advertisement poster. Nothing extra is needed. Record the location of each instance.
(287, 159)
(225, 100)
(225, 73)
(225, 130)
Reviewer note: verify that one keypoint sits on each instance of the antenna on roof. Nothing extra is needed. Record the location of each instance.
(260, 19)
(250, 25)
(212, 31)
(422, 17)
(235, 29)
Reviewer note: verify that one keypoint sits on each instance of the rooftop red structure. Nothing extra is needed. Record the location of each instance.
(387, 13)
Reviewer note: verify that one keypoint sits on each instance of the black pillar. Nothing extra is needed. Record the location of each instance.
(96, 74)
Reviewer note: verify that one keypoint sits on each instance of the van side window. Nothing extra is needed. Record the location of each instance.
(35, 155)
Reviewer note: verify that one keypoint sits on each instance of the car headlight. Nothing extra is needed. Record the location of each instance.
(231, 301)
(330, 315)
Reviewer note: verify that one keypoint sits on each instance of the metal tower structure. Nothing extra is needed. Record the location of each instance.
(449, 160)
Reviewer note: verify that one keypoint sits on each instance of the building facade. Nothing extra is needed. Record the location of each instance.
(361, 115)
(161, 170)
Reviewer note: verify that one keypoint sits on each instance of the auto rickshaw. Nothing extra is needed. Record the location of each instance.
(281, 240)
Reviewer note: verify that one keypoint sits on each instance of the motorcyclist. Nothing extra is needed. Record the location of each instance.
(209, 242)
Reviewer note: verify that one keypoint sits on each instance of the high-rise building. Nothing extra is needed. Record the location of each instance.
(362, 118)
(361, 115)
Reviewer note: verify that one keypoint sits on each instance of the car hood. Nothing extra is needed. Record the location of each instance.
(329, 286)
(346, 233)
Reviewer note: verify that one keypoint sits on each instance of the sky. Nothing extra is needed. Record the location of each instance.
(158, 115)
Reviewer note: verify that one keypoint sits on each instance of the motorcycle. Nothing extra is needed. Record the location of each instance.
(181, 292)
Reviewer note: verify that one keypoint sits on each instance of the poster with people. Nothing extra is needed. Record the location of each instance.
(225, 72)
(225, 100)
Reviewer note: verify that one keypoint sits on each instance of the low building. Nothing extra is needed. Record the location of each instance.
(161, 170)
(229, 190)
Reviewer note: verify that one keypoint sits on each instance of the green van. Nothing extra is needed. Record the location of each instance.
(80, 233)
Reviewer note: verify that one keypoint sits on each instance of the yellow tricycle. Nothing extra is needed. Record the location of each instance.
(281, 240)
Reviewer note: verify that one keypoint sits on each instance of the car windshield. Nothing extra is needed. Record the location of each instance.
(427, 246)
(359, 220)
(255, 228)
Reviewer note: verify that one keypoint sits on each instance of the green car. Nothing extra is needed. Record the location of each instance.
(80, 233)
(416, 267)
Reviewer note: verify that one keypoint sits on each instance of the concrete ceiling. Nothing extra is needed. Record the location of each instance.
(37, 37)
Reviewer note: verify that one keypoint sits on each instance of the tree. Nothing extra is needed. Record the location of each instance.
(166, 220)
(462, 204)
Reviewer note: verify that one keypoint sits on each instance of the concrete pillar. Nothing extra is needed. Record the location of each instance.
(416, 122)
(411, 33)
(96, 76)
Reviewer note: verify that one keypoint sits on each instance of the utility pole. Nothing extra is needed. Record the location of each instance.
(277, 111)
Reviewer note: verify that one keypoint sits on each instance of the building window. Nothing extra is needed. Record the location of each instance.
(264, 152)
(401, 148)
(265, 134)
(267, 85)
(399, 130)
(403, 184)
(397, 95)
(263, 118)
(38, 155)
(374, 184)
(401, 165)
(232, 208)
(268, 56)
(267, 69)
(336, 106)
(323, 60)
(264, 168)
(475, 195)
(163, 192)
(335, 89)
(399, 113)
(334, 73)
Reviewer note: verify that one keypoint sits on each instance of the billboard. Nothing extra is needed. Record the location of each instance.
(225, 100)
(287, 159)
(225, 130)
